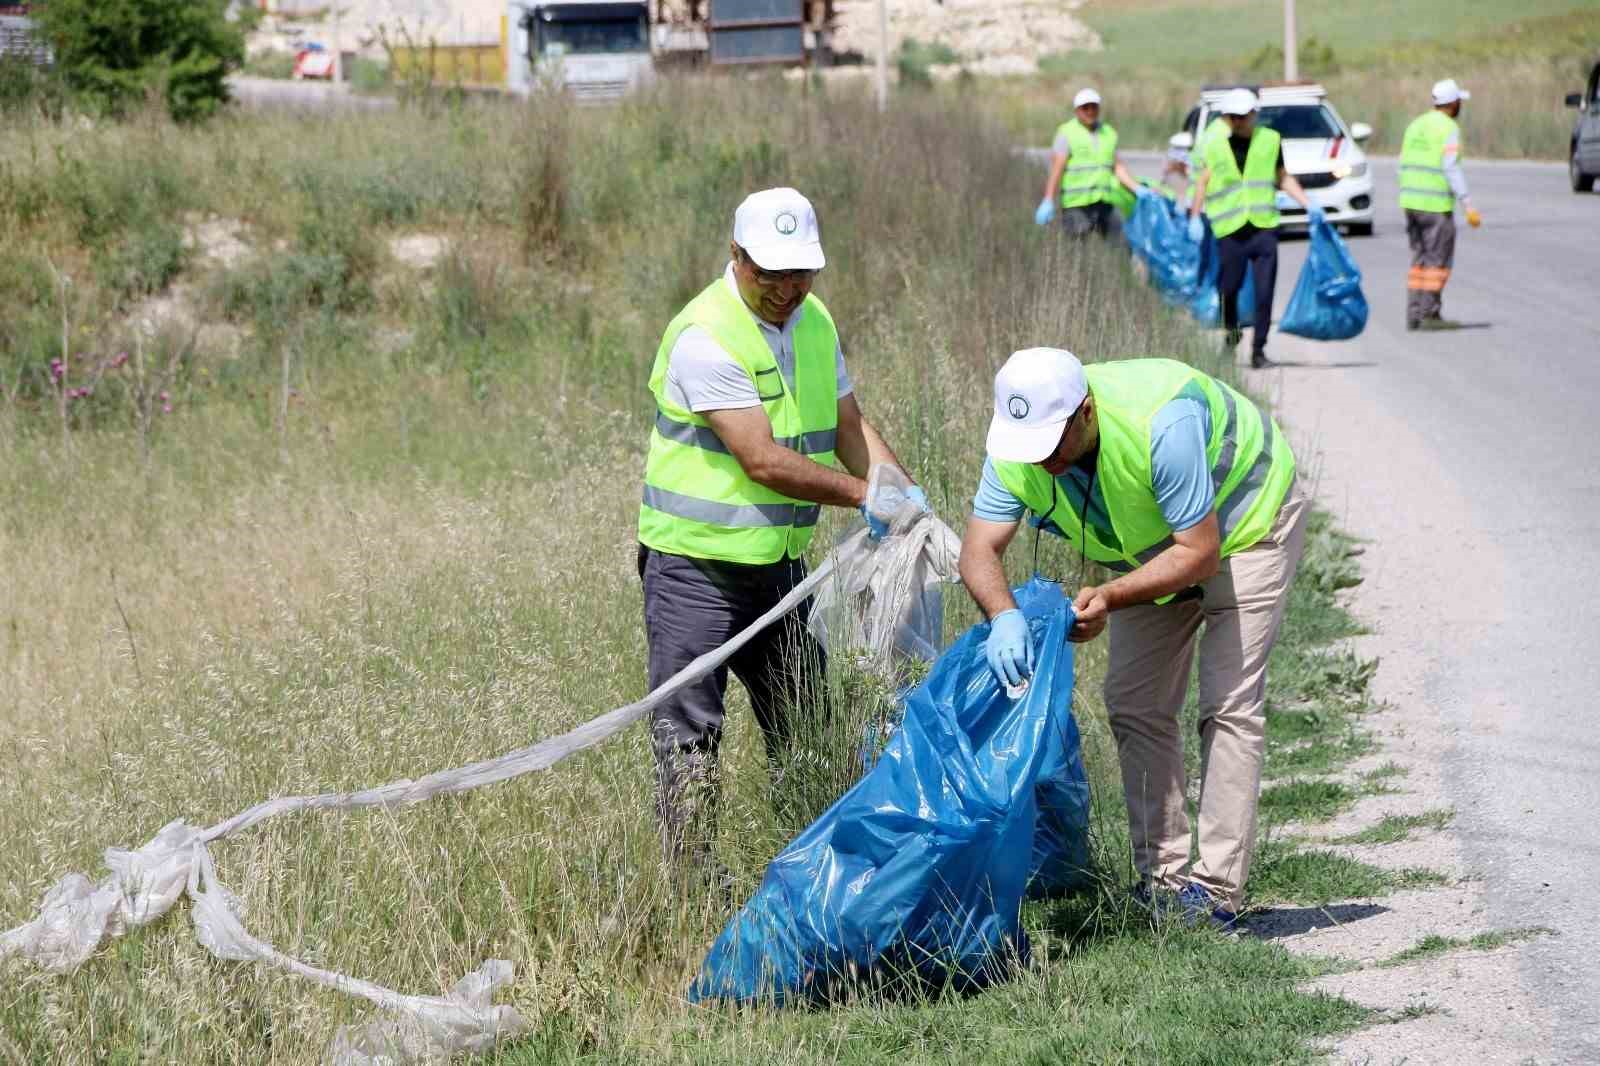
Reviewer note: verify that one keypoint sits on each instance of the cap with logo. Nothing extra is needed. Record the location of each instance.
(778, 229)
(1085, 97)
(1448, 92)
(1238, 102)
(1035, 393)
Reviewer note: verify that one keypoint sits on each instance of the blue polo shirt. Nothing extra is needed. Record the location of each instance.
(1178, 467)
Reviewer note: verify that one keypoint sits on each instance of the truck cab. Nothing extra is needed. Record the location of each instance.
(1322, 152)
(597, 51)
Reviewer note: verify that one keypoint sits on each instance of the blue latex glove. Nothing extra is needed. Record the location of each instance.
(1315, 211)
(1197, 229)
(1044, 212)
(918, 497)
(1009, 648)
(876, 527)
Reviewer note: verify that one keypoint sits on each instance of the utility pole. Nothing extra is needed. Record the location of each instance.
(883, 55)
(1291, 51)
(338, 47)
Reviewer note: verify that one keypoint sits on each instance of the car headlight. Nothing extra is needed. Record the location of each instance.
(1359, 170)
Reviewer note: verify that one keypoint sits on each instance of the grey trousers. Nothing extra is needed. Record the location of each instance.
(692, 606)
(1433, 252)
(1101, 218)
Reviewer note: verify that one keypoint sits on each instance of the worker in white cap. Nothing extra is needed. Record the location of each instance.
(1237, 189)
(1431, 184)
(754, 410)
(1186, 490)
(1087, 179)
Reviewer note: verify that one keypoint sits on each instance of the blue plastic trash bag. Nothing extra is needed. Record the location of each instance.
(918, 872)
(1327, 304)
(1183, 271)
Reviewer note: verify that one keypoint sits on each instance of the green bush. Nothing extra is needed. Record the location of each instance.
(114, 53)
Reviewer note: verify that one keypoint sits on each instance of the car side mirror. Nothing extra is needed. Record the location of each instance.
(1360, 131)
(1183, 140)
(1574, 99)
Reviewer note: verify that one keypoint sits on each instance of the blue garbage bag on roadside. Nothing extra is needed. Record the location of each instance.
(918, 872)
(1182, 270)
(1327, 303)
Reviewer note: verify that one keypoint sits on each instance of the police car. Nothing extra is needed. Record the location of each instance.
(1319, 149)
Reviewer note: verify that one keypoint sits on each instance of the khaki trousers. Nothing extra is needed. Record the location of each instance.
(1235, 624)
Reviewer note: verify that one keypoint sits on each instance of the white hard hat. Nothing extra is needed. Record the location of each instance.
(778, 229)
(1034, 394)
(1085, 97)
(1238, 102)
(1448, 92)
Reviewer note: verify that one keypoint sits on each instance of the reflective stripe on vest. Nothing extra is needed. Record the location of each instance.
(1089, 175)
(697, 499)
(1424, 186)
(1234, 198)
(1251, 464)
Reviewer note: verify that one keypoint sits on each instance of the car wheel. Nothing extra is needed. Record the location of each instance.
(1359, 229)
(1581, 182)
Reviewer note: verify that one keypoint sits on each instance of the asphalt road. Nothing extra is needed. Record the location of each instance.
(1471, 460)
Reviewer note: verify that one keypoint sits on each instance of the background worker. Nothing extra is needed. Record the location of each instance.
(1237, 189)
(1175, 177)
(1206, 529)
(1086, 176)
(1431, 183)
(753, 405)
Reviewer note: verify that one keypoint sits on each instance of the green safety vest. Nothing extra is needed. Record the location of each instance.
(1251, 465)
(698, 501)
(1423, 185)
(1197, 154)
(1232, 199)
(1088, 178)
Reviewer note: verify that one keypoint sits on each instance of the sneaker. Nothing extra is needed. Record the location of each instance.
(1413, 324)
(1259, 361)
(1233, 337)
(1199, 908)
(1158, 903)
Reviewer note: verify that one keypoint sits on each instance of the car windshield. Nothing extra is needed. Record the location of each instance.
(590, 38)
(1297, 121)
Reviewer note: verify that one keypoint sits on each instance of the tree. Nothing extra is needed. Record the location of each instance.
(115, 52)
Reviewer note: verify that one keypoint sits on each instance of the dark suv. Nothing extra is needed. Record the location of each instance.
(1584, 161)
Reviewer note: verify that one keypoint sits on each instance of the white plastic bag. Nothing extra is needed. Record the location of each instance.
(885, 601)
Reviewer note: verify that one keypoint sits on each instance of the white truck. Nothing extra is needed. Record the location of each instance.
(599, 50)
(1322, 152)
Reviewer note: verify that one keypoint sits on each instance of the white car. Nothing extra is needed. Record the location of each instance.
(1322, 152)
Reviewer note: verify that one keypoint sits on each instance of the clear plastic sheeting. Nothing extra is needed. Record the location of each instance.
(885, 600)
(889, 602)
(916, 876)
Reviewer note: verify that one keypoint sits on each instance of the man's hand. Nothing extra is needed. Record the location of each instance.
(1044, 212)
(1197, 229)
(1092, 610)
(1474, 219)
(1009, 649)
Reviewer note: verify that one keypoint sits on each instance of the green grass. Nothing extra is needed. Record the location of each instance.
(1288, 873)
(1305, 801)
(1434, 945)
(386, 526)
(1393, 828)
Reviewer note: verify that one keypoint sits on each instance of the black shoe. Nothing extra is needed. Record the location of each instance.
(1259, 361)
(1413, 324)
(1233, 337)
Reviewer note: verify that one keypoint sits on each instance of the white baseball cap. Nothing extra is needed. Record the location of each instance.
(1034, 394)
(1448, 92)
(1085, 97)
(778, 229)
(1238, 102)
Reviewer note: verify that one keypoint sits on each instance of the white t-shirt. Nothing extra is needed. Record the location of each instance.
(702, 376)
